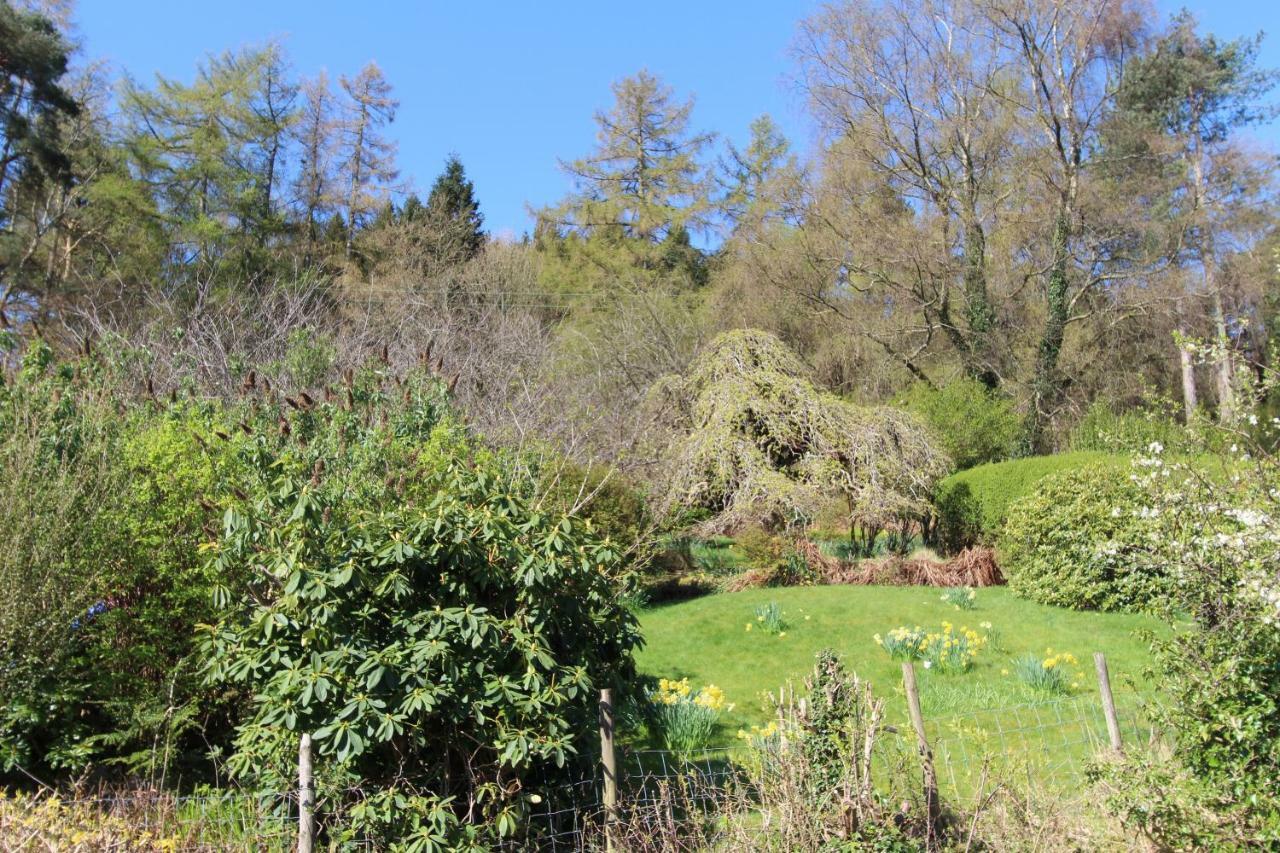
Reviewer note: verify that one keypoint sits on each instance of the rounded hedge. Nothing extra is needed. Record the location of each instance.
(972, 505)
(1080, 540)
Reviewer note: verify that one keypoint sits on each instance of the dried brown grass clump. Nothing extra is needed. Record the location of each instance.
(971, 567)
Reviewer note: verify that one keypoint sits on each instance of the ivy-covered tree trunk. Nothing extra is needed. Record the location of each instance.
(1047, 384)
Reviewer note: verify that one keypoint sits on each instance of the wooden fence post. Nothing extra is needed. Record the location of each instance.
(1108, 702)
(609, 760)
(932, 806)
(306, 796)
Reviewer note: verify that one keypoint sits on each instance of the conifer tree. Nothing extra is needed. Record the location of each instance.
(454, 212)
(643, 188)
(367, 157)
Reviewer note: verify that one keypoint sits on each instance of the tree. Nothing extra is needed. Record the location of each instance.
(753, 180)
(210, 151)
(367, 159)
(1195, 91)
(314, 190)
(906, 91)
(33, 108)
(754, 442)
(31, 94)
(453, 211)
(641, 192)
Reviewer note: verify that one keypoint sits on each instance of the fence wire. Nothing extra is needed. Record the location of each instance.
(1048, 743)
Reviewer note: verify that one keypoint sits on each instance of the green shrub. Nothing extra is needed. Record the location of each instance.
(411, 610)
(616, 508)
(974, 424)
(971, 505)
(1077, 541)
(1103, 429)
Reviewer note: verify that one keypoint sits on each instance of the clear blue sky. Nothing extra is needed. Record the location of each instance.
(511, 86)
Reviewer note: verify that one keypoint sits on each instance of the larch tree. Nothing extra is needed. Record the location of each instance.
(367, 164)
(643, 189)
(314, 182)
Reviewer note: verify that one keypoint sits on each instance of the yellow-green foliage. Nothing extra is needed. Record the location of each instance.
(756, 443)
(972, 504)
(974, 424)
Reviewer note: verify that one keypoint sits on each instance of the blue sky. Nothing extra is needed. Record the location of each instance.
(511, 86)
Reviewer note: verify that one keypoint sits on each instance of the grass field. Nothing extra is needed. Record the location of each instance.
(706, 640)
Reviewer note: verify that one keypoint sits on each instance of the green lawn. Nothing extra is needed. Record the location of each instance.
(706, 640)
(984, 714)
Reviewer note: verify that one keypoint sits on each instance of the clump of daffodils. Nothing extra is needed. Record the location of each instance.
(1052, 674)
(961, 598)
(759, 735)
(948, 650)
(686, 719)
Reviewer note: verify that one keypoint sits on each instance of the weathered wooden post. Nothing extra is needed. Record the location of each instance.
(609, 759)
(306, 796)
(1108, 702)
(932, 806)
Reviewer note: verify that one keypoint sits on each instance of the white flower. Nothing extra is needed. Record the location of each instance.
(928, 664)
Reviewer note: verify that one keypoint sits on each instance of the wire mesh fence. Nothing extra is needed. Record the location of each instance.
(1047, 742)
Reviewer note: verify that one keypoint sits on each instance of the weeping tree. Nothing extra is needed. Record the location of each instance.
(754, 442)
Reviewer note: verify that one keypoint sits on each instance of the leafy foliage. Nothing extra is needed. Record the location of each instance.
(1218, 788)
(1078, 539)
(441, 639)
(756, 443)
(1103, 429)
(974, 424)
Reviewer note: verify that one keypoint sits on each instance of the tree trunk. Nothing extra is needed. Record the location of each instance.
(978, 306)
(1047, 384)
(1190, 399)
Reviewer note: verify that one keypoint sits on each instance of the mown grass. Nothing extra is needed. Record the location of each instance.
(706, 640)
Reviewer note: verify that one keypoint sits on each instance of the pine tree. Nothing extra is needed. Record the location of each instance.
(33, 61)
(1194, 91)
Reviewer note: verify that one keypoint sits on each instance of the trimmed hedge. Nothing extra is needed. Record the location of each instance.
(972, 505)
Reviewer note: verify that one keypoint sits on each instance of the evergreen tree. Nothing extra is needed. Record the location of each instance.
(1186, 97)
(453, 210)
(33, 60)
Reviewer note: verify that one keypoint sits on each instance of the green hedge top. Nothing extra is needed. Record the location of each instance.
(972, 505)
